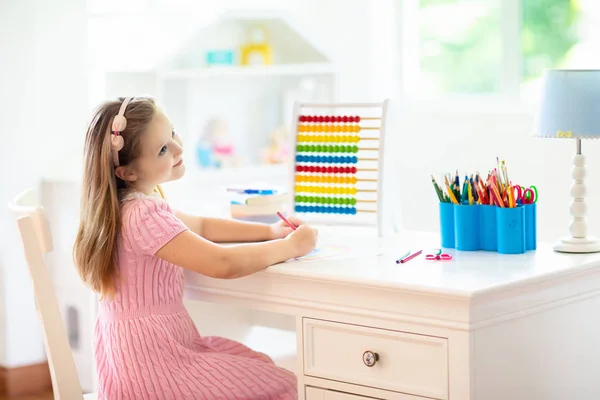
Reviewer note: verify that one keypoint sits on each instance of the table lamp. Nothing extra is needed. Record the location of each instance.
(570, 109)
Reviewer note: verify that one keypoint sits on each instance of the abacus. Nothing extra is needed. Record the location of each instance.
(338, 162)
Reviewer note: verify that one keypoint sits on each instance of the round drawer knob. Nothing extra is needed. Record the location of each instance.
(370, 358)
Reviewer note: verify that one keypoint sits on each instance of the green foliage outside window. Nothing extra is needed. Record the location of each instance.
(461, 41)
(548, 33)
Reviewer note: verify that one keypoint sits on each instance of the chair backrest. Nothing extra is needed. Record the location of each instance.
(37, 241)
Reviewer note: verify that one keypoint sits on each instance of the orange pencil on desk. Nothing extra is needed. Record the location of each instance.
(280, 215)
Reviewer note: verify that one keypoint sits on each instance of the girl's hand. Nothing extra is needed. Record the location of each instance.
(280, 229)
(303, 240)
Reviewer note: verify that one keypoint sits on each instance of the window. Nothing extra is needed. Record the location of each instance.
(558, 34)
(548, 34)
(460, 46)
(491, 47)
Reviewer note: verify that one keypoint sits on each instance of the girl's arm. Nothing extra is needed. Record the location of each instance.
(190, 251)
(224, 230)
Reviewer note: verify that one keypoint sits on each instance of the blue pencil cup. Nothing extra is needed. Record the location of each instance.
(466, 227)
(511, 230)
(488, 237)
(447, 225)
(530, 226)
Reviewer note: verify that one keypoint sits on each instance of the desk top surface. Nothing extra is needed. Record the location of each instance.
(372, 262)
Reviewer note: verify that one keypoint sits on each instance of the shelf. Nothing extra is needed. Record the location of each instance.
(249, 71)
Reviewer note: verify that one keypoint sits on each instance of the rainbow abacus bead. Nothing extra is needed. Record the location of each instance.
(336, 179)
(325, 189)
(326, 210)
(348, 201)
(327, 159)
(328, 139)
(326, 148)
(325, 170)
(329, 128)
(329, 118)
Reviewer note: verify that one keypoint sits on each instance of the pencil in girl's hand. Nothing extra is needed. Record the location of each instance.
(280, 215)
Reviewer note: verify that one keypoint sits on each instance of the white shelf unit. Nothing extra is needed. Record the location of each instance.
(248, 71)
(254, 100)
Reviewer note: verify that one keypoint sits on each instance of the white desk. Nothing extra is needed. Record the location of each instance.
(483, 326)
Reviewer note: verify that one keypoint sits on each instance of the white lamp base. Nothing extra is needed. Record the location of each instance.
(579, 242)
(578, 245)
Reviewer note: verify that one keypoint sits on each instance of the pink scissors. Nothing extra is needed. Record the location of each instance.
(525, 195)
(438, 255)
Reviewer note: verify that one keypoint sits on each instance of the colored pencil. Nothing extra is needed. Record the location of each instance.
(399, 260)
(437, 189)
(280, 215)
(495, 189)
(497, 195)
(407, 259)
(451, 194)
(470, 194)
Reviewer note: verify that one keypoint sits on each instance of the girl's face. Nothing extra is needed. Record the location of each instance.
(161, 157)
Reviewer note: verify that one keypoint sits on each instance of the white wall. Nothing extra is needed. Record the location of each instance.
(440, 137)
(42, 116)
(440, 142)
(433, 139)
(44, 110)
(346, 39)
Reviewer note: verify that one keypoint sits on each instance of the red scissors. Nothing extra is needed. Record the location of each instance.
(438, 255)
(525, 195)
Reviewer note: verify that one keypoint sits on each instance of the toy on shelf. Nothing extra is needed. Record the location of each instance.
(258, 50)
(216, 148)
(204, 154)
(219, 57)
(339, 161)
(278, 151)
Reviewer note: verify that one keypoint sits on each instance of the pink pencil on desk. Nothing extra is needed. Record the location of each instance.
(280, 215)
(413, 255)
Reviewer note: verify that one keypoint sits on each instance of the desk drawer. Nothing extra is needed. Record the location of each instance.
(322, 394)
(384, 359)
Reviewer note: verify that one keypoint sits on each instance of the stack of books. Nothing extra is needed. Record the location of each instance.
(258, 204)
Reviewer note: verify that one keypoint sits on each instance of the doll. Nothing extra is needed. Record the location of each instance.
(278, 150)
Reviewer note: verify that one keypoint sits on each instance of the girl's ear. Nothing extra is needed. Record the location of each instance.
(126, 173)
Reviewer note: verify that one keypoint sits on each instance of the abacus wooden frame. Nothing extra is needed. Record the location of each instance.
(384, 105)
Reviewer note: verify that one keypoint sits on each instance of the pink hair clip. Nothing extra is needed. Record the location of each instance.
(119, 124)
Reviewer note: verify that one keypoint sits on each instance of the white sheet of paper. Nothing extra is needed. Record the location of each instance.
(331, 251)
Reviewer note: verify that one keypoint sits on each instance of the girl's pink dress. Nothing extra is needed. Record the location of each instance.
(146, 344)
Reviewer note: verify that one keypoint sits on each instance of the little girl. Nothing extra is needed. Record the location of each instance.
(131, 247)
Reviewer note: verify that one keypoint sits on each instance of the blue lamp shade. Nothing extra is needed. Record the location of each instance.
(570, 104)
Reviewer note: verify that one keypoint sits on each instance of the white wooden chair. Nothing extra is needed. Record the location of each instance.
(37, 241)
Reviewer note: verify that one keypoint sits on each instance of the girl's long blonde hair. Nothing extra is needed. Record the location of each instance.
(100, 218)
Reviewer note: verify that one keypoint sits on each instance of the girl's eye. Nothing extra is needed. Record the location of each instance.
(173, 133)
(162, 151)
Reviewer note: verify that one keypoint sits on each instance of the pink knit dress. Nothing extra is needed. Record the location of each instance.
(146, 344)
